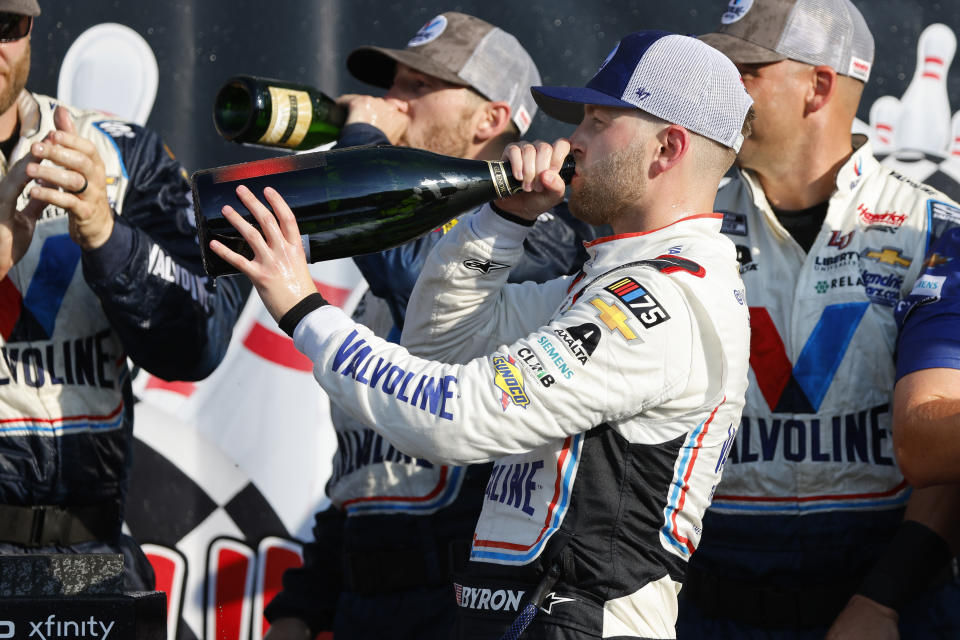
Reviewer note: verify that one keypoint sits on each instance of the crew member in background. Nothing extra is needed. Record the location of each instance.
(828, 241)
(98, 262)
(380, 562)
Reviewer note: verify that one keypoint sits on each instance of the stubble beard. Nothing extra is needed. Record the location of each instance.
(449, 139)
(610, 187)
(16, 81)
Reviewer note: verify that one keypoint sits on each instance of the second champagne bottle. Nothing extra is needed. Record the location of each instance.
(351, 201)
(276, 113)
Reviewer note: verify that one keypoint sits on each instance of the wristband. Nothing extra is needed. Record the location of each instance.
(506, 215)
(911, 561)
(292, 318)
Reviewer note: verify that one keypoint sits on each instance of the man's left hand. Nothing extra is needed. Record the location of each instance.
(866, 619)
(75, 181)
(279, 267)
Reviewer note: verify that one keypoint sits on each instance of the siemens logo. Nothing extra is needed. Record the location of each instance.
(556, 357)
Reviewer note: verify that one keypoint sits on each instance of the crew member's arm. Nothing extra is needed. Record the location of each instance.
(144, 265)
(926, 421)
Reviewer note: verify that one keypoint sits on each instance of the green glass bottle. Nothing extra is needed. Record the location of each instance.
(351, 201)
(275, 113)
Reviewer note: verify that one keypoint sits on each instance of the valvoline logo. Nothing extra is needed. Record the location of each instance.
(429, 32)
(509, 380)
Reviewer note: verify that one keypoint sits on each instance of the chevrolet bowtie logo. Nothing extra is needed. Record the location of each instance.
(888, 256)
(935, 260)
(614, 318)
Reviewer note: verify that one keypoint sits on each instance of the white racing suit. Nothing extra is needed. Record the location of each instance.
(607, 402)
(812, 492)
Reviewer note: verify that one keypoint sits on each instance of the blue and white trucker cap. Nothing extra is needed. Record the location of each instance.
(676, 78)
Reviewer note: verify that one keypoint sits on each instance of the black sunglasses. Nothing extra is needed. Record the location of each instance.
(14, 26)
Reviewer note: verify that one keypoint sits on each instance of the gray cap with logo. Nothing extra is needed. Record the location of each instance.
(462, 50)
(817, 32)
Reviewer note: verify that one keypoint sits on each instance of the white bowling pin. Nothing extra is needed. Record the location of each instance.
(884, 113)
(924, 122)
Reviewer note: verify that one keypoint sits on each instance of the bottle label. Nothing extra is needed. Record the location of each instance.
(498, 173)
(289, 119)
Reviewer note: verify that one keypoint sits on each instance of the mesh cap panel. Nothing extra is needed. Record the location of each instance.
(827, 32)
(676, 78)
(500, 69)
(686, 82)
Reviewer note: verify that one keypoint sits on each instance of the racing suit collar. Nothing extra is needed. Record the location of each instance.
(625, 247)
(621, 236)
(28, 111)
(861, 163)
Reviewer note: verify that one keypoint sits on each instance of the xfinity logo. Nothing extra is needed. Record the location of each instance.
(488, 599)
(53, 628)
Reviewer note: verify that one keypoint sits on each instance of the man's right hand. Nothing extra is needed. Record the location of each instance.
(288, 629)
(16, 227)
(537, 166)
(387, 114)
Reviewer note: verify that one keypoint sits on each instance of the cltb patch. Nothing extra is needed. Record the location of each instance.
(640, 302)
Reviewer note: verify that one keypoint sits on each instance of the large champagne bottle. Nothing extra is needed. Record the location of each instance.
(274, 113)
(351, 201)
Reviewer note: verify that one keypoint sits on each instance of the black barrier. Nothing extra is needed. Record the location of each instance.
(47, 597)
(128, 616)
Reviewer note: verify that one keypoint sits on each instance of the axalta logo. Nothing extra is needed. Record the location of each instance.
(54, 628)
(509, 379)
(580, 340)
(487, 599)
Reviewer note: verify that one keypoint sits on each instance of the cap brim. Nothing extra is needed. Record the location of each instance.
(566, 103)
(741, 51)
(376, 66)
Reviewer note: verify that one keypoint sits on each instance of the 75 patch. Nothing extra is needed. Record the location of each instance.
(640, 302)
